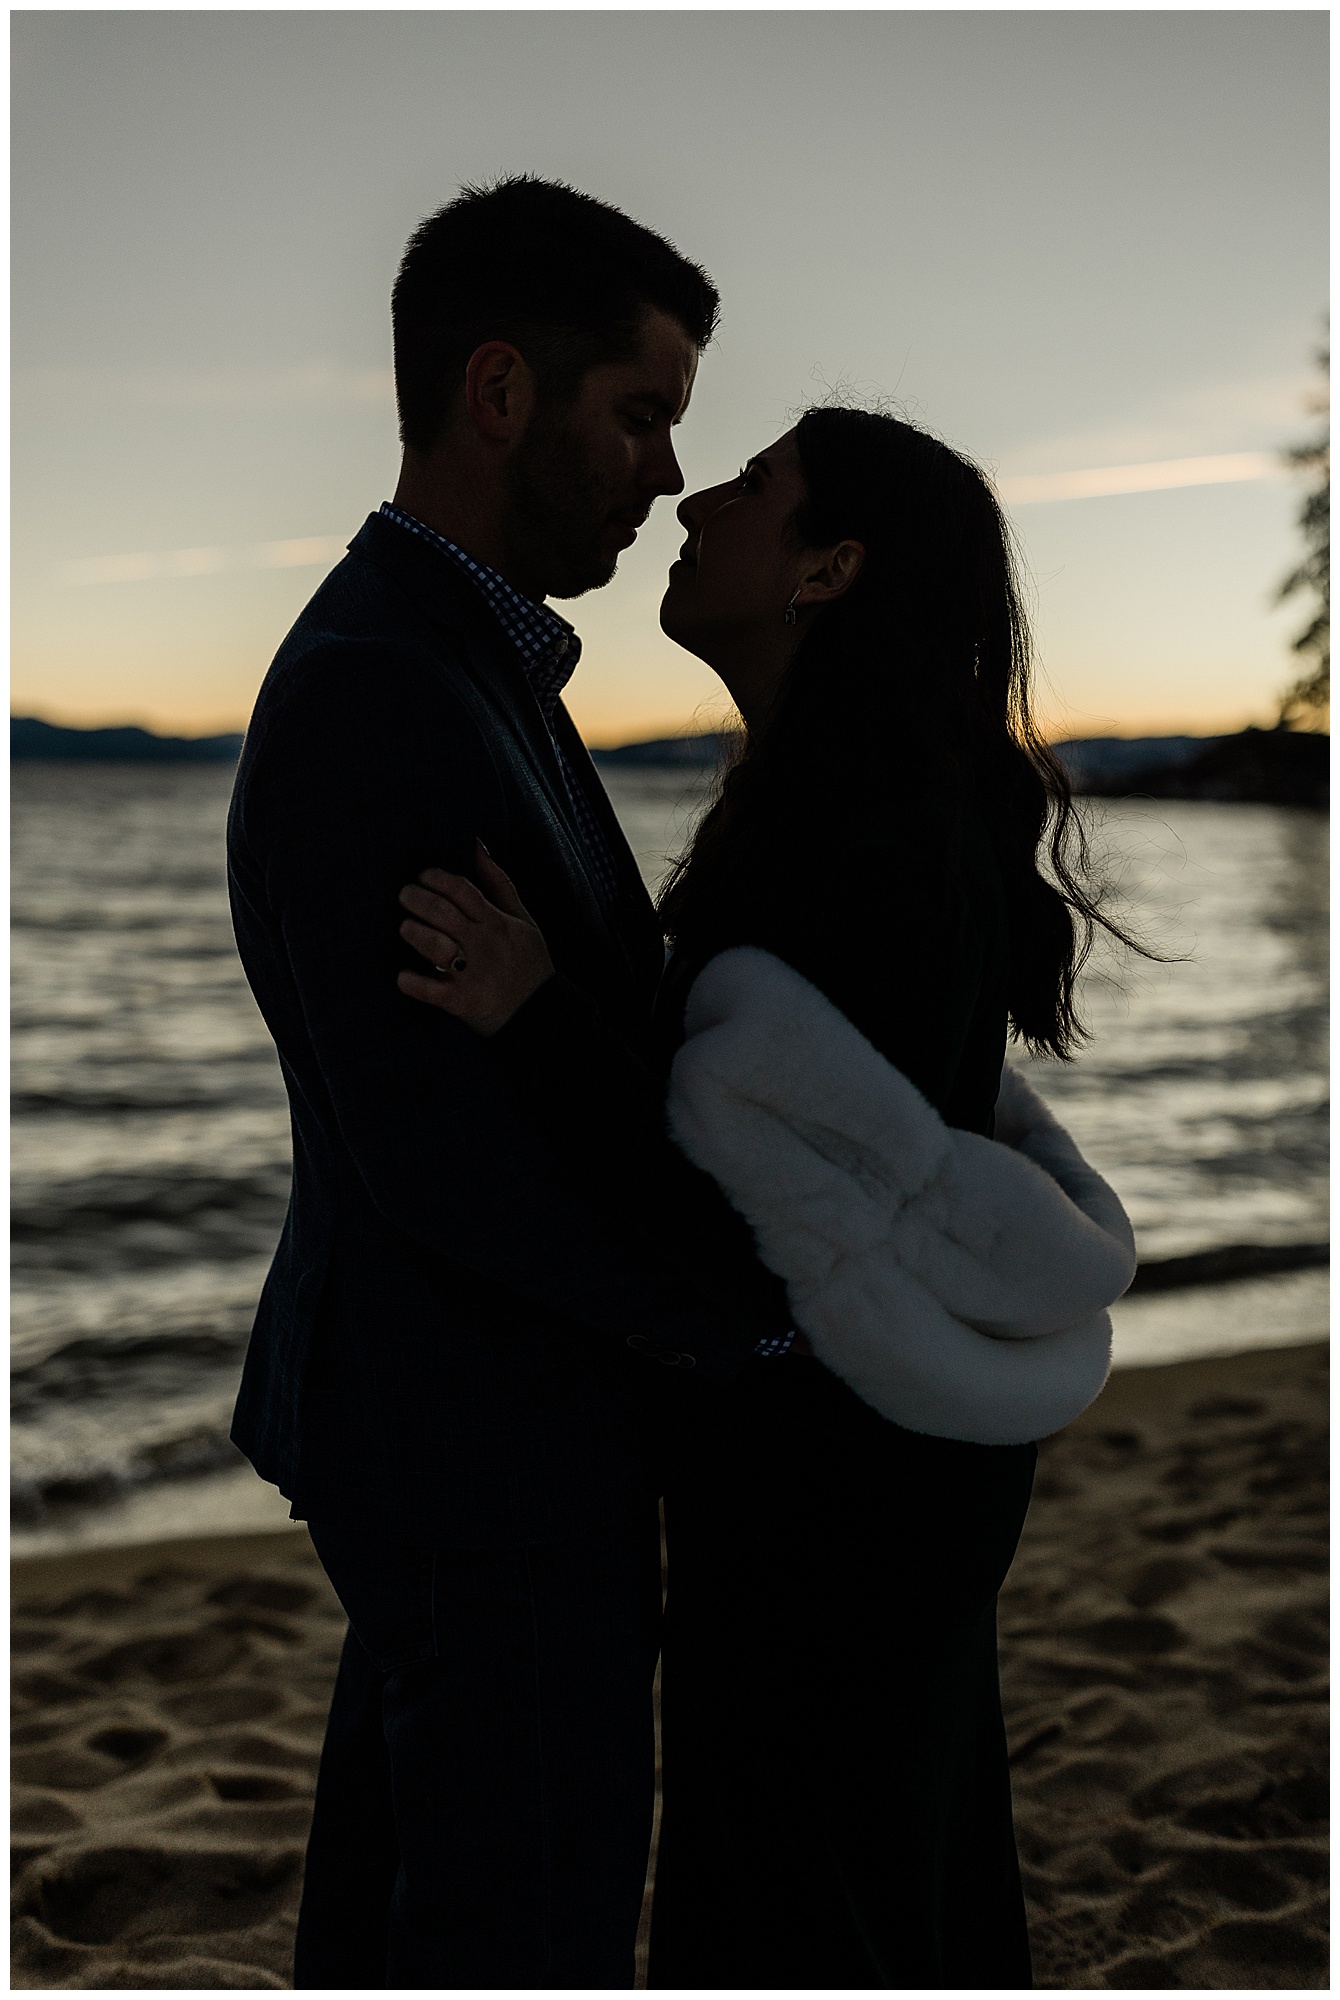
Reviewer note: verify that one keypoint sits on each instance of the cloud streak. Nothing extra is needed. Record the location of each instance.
(1021, 490)
(1155, 476)
(302, 552)
(313, 384)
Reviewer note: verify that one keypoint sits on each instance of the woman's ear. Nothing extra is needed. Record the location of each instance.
(834, 576)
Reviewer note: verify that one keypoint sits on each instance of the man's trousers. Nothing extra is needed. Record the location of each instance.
(484, 1802)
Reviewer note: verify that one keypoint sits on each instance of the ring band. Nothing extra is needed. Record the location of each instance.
(458, 963)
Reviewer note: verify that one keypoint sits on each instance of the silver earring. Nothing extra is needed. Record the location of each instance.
(789, 615)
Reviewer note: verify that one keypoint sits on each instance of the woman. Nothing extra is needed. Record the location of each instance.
(836, 1791)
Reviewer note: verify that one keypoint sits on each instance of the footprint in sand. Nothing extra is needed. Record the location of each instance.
(166, 1752)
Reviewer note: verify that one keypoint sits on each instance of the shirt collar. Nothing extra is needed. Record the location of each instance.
(548, 645)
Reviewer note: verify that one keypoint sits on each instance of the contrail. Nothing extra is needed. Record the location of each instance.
(303, 552)
(1159, 475)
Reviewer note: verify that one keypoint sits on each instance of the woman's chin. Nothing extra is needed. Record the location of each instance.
(673, 622)
(677, 615)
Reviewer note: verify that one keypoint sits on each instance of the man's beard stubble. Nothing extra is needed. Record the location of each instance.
(558, 511)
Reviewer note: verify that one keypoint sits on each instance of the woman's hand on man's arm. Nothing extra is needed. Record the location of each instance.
(489, 955)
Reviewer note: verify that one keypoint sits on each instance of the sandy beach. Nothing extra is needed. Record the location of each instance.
(1164, 1659)
(1164, 1654)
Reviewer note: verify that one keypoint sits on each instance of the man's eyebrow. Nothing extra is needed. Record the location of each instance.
(762, 465)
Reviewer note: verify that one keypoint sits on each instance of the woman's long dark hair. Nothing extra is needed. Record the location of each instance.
(905, 709)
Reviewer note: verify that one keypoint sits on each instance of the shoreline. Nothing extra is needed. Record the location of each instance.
(1214, 1321)
(1163, 1665)
(1125, 1393)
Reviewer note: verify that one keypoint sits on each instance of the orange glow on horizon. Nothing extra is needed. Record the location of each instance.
(609, 732)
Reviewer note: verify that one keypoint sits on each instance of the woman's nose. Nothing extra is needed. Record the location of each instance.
(689, 511)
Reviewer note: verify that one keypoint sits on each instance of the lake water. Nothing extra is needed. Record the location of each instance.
(150, 1135)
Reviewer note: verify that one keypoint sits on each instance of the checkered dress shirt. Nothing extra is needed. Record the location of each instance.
(549, 650)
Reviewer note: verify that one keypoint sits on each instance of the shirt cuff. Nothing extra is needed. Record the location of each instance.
(774, 1343)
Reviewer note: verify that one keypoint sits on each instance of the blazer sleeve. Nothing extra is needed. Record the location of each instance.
(368, 767)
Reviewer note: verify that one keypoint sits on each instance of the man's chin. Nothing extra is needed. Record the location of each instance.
(589, 576)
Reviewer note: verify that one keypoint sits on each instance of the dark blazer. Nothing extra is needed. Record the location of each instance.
(457, 1336)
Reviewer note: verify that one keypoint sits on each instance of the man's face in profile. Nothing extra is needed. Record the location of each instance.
(584, 476)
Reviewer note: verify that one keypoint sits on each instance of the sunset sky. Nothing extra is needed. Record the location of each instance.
(1088, 248)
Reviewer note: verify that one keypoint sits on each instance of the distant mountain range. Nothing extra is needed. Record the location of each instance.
(1101, 759)
(1258, 766)
(1278, 767)
(690, 753)
(29, 738)
(1097, 755)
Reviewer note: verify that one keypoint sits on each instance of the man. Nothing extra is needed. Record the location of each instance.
(451, 1365)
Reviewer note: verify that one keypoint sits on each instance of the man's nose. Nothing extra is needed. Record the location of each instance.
(665, 475)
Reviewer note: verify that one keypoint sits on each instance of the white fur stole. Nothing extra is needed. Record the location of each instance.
(957, 1284)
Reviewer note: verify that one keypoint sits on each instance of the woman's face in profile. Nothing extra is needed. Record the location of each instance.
(740, 562)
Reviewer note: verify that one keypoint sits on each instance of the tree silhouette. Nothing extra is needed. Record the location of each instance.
(1310, 694)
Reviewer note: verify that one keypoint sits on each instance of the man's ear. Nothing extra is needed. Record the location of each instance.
(833, 576)
(500, 392)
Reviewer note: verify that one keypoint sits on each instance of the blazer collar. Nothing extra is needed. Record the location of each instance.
(438, 588)
(445, 596)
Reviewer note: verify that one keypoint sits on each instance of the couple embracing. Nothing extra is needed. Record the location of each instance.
(758, 1226)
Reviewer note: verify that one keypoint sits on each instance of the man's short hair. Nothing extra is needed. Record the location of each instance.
(567, 279)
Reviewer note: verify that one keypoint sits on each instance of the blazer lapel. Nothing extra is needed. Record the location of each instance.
(488, 661)
(645, 937)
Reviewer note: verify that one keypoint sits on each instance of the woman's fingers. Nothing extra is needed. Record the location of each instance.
(500, 883)
(438, 947)
(487, 943)
(459, 890)
(437, 992)
(442, 898)
(439, 911)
